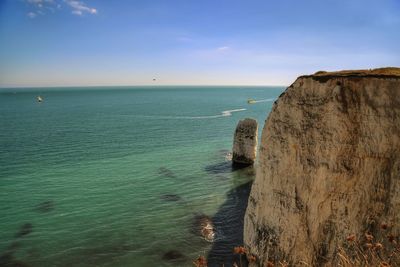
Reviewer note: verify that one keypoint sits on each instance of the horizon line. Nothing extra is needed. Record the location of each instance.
(142, 85)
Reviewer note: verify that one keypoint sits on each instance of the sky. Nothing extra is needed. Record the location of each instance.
(188, 42)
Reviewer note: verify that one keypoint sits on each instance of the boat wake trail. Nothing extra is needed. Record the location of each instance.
(264, 100)
(225, 113)
(229, 112)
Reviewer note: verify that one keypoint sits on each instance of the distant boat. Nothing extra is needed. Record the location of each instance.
(39, 99)
(250, 101)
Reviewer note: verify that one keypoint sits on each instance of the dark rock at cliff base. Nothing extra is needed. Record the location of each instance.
(224, 167)
(203, 226)
(173, 255)
(170, 197)
(24, 230)
(245, 142)
(328, 168)
(45, 206)
(221, 167)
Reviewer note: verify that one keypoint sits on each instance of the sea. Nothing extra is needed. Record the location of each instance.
(119, 176)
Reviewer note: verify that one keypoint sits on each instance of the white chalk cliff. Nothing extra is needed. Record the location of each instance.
(328, 167)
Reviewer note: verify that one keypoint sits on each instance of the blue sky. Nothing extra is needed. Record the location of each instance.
(215, 42)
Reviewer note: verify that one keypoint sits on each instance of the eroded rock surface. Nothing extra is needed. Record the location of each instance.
(204, 226)
(328, 167)
(245, 142)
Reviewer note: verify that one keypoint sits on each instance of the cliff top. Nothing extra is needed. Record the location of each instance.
(389, 72)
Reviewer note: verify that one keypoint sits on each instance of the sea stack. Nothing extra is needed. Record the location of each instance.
(245, 142)
(328, 170)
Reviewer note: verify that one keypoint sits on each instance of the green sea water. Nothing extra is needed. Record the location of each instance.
(115, 176)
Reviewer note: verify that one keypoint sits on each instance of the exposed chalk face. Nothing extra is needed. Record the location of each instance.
(328, 167)
(245, 142)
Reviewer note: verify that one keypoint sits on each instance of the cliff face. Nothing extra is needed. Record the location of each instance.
(328, 167)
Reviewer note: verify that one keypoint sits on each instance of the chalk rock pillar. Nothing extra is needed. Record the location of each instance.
(245, 142)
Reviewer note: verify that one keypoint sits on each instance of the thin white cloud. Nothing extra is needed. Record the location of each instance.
(41, 7)
(79, 8)
(31, 15)
(223, 48)
(40, 3)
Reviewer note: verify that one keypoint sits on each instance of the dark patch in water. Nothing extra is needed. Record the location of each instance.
(170, 197)
(223, 167)
(228, 222)
(45, 206)
(103, 254)
(173, 255)
(109, 249)
(7, 260)
(13, 247)
(163, 171)
(24, 230)
(221, 177)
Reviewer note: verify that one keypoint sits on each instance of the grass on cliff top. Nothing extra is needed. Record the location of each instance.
(389, 71)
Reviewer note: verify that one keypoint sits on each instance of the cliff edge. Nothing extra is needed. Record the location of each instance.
(328, 168)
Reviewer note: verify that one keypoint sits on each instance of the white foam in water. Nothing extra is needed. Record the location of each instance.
(264, 100)
(224, 113)
(229, 112)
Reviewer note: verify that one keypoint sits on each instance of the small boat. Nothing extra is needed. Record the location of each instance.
(250, 101)
(39, 99)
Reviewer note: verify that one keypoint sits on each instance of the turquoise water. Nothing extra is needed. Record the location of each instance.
(115, 176)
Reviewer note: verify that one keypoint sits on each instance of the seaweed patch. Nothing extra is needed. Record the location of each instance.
(24, 230)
